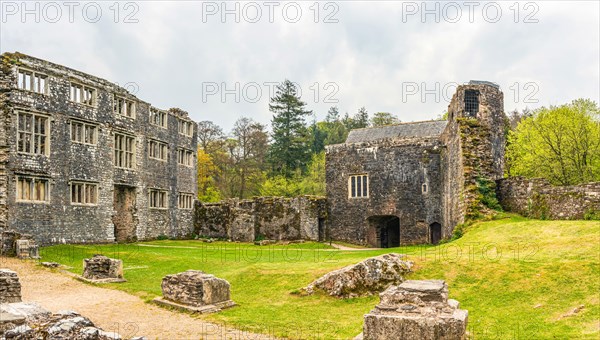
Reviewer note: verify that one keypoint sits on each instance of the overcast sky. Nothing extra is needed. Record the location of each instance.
(384, 55)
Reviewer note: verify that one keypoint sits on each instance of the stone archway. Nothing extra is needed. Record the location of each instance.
(384, 231)
(124, 219)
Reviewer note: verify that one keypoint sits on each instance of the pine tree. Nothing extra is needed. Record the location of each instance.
(290, 149)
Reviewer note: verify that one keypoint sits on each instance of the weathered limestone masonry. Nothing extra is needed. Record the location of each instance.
(273, 218)
(83, 160)
(367, 277)
(414, 182)
(416, 310)
(476, 142)
(10, 287)
(537, 198)
(196, 291)
(397, 171)
(103, 269)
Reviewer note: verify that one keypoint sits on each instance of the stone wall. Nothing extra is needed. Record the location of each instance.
(274, 218)
(397, 171)
(537, 198)
(10, 287)
(58, 220)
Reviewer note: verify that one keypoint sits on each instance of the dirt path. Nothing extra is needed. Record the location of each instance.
(113, 310)
(342, 247)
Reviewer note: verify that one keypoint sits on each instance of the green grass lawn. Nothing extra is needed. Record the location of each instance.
(517, 277)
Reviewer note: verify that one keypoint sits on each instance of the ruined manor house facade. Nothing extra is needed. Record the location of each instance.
(83, 160)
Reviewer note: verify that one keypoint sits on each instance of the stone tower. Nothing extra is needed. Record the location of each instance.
(476, 140)
(480, 105)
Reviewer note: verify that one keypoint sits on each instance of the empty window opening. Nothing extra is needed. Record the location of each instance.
(32, 133)
(83, 94)
(185, 201)
(84, 193)
(32, 189)
(84, 133)
(185, 128)
(158, 150)
(32, 81)
(158, 199)
(123, 107)
(158, 117)
(358, 186)
(185, 157)
(472, 102)
(124, 151)
(424, 188)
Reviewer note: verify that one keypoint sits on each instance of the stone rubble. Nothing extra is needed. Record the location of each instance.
(28, 320)
(416, 310)
(62, 325)
(368, 277)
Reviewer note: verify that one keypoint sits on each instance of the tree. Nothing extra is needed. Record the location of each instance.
(314, 181)
(358, 121)
(210, 136)
(383, 119)
(318, 135)
(560, 143)
(333, 115)
(335, 131)
(248, 150)
(515, 117)
(290, 149)
(207, 172)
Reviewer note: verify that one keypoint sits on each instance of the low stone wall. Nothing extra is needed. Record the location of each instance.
(9, 240)
(537, 198)
(10, 287)
(274, 218)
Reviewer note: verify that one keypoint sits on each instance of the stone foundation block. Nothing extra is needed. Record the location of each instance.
(416, 310)
(196, 291)
(102, 269)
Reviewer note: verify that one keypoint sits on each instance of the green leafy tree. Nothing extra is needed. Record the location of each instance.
(383, 119)
(318, 135)
(358, 121)
(207, 172)
(282, 186)
(290, 148)
(560, 143)
(313, 182)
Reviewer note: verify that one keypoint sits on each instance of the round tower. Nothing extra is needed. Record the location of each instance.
(478, 108)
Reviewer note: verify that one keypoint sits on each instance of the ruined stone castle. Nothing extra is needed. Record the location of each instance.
(84, 160)
(414, 182)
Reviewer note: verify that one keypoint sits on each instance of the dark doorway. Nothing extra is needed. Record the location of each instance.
(124, 219)
(384, 231)
(435, 232)
(322, 236)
